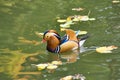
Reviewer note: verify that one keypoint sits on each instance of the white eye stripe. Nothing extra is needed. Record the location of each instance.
(51, 34)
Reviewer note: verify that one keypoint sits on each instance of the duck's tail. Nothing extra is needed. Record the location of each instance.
(82, 40)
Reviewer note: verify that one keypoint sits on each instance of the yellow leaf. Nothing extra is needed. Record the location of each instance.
(64, 25)
(62, 29)
(76, 19)
(41, 66)
(115, 1)
(61, 20)
(106, 49)
(91, 19)
(82, 32)
(67, 78)
(69, 18)
(51, 66)
(77, 9)
(57, 62)
(84, 18)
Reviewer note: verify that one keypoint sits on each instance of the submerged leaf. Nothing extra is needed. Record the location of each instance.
(25, 41)
(39, 34)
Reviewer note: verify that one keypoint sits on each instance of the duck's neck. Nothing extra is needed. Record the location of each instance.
(53, 42)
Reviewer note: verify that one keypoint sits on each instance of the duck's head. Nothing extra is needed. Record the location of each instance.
(49, 33)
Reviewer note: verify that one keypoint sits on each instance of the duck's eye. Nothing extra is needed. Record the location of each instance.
(47, 36)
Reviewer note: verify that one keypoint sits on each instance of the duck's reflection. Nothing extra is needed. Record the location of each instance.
(71, 57)
(68, 57)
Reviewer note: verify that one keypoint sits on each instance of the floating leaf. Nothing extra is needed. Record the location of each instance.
(67, 24)
(62, 29)
(61, 20)
(82, 18)
(41, 66)
(67, 78)
(56, 62)
(115, 1)
(74, 77)
(82, 32)
(106, 49)
(64, 20)
(77, 9)
(76, 19)
(51, 66)
(64, 25)
(79, 77)
(69, 18)
(91, 19)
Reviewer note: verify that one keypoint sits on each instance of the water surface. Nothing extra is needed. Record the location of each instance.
(20, 19)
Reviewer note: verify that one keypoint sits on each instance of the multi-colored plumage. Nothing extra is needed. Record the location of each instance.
(56, 44)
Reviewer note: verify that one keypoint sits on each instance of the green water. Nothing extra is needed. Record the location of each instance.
(22, 18)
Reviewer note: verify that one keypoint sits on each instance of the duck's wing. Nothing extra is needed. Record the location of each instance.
(71, 34)
(66, 37)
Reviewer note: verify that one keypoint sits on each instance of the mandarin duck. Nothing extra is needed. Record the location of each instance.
(56, 44)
